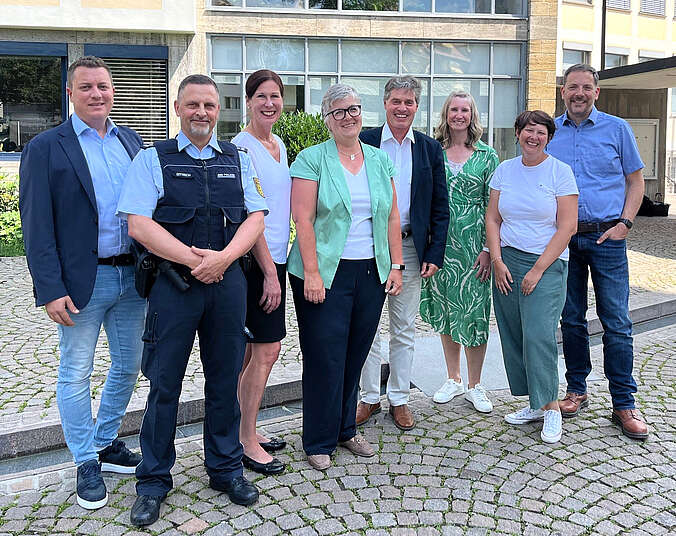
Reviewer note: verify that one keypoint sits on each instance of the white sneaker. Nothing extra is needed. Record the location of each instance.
(448, 391)
(551, 429)
(524, 416)
(479, 398)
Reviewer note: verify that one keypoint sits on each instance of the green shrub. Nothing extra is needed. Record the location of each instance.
(300, 130)
(9, 193)
(11, 237)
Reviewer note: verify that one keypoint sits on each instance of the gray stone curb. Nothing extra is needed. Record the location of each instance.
(32, 440)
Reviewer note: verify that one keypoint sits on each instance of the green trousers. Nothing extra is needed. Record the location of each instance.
(527, 326)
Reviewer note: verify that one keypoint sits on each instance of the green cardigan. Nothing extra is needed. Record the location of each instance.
(334, 207)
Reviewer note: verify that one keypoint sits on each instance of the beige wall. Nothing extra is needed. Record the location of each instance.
(314, 24)
(629, 30)
(113, 15)
(541, 81)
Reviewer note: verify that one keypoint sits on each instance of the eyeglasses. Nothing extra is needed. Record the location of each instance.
(340, 113)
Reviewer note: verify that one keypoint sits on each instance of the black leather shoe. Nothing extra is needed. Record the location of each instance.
(273, 467)
(146, 510)
(273, 445)
(239, 489)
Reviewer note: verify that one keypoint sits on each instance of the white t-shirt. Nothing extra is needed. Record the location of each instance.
(276, 184)
(527, 201)
(359, 243)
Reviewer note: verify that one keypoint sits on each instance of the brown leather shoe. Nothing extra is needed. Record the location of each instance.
(631, 423)
(402, 416)
(359, 446)
(572, 403)
(365, 411)
(321, 462)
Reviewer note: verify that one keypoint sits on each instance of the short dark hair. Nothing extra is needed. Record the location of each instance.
(260, 76)
(197, 79)
(537, 117)
(584, 68)
(90, 62)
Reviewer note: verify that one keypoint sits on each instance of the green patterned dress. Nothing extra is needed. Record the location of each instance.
(453, 301)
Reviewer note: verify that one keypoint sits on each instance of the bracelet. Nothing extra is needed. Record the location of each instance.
(496, 259)
(486, 250)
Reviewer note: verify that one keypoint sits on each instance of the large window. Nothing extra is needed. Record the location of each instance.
(615, 60)
(31, 97)
(499, 7)
(491, 72)
(652, 7)
(573, 57)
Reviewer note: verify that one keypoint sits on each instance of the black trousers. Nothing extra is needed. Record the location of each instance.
(335, 338)
(216, 312)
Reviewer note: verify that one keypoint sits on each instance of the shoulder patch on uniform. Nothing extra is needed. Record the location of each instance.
(242, 149)
(259, 188)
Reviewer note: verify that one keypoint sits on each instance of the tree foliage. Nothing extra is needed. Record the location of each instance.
(30, 80)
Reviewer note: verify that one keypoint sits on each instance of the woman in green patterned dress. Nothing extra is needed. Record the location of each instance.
(456, 301)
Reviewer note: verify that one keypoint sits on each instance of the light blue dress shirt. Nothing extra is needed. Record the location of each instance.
(108, 162)
(144, 184)
(602, 151)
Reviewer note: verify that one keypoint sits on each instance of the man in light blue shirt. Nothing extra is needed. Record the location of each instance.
(194, 202)
(602, 151)
(78, 256)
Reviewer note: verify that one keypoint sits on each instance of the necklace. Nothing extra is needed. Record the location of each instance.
(351, 155)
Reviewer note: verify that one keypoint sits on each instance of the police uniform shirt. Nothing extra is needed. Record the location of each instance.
(144, 184)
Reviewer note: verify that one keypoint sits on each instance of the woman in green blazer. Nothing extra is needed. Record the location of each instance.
(346, 256)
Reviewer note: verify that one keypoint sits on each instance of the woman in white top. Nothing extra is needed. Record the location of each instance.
(532, 213)
(266, 278)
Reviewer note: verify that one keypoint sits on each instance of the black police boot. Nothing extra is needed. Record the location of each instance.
(239, 489)
(146, 510)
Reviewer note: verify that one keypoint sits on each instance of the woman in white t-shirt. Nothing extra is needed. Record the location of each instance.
(266, 278)
(531, 216)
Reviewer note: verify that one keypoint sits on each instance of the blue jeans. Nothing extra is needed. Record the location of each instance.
(115, 304)
(609, 269)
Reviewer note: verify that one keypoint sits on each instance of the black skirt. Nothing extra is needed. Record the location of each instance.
(264, 327)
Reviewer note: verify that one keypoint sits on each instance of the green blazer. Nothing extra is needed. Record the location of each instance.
(334, 207)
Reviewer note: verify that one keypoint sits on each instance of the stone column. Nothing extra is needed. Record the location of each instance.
(541, 80)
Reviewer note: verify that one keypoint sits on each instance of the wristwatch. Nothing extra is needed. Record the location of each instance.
(627, 222)
(398, 267)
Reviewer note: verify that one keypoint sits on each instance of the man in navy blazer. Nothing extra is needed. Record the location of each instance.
(422, 198)
(78, 256)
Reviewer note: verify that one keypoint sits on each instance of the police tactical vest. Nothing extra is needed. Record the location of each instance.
(203, 203)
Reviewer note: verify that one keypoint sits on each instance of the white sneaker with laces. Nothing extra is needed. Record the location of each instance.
(479, 398)
(448, 391)
(524, 416)
(551, 428)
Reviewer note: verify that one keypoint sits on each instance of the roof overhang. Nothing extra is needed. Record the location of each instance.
(653, 74)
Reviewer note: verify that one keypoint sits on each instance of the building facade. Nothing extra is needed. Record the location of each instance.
(502, 51)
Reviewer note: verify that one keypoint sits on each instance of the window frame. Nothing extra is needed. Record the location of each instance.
(430, 77)
(48, 49)
(209, 6)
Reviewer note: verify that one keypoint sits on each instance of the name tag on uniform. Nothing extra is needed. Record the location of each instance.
(225, 175)
(182, 175)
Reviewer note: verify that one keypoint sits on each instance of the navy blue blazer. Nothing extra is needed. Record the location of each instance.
(429, 195)
(58, 213)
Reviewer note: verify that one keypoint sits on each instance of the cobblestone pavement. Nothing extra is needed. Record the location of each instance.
(457, 472)
(29, 341)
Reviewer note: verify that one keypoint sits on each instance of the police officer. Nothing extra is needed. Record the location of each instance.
(193, 201)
